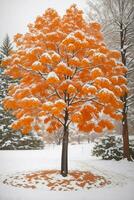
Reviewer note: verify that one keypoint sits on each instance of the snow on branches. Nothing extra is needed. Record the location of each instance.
(67, 75)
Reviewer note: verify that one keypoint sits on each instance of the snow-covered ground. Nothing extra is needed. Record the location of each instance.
(120, 173)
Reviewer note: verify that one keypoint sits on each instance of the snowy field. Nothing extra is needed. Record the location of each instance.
(120, 173)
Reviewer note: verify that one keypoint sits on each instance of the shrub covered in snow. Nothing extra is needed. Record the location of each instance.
(16, 141)
(111, 147)
(30, 142)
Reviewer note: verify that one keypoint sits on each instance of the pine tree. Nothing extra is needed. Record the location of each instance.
(6, 46)
(1, 56)
(111, 147)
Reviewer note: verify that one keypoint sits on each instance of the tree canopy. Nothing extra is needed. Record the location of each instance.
(67, 75)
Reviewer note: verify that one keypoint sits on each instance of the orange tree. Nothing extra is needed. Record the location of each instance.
(67, 76)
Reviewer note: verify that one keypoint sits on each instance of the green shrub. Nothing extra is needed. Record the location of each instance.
(111, 147)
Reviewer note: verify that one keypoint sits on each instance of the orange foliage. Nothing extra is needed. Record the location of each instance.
(71, 47)
(85, 75)
(108, 109)
(122, 80)
(124, 89)
(56, 58)
(23, 123)
(114, 54)
(52, 78)
(63, 69)
(15, 72)
(47, 106)
(116, 116)
(29, 103)
(60, 104)
(47, 119)
(96, 26)
(77, 117)
(10, 103)
(26, 120)
(36, 128)
(71, 89)
(55, 111)
(106, 96)
(106, 124)
(98, 129)
(85, 63)
(26, 130)
(89, 89)
(74, 62)
(22, 93)
(19, 114)
(102, 82)
(118, 91)
(64, 85)
(45, 58)
(6, 62)
(37, 66)
(96, 73)
(99, 59)
(86, 127)
(66, 75)
(87, 111)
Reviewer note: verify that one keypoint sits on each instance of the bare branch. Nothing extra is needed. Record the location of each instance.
(58, 120)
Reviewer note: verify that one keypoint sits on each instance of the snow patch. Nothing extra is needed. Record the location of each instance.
(52, 75)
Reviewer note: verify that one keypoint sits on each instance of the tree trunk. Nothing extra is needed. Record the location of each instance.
(78, 139)
(88, 139)
(64, 156)
(58, 143)
(125, 134)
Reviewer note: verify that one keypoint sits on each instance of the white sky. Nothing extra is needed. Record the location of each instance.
(16, 14)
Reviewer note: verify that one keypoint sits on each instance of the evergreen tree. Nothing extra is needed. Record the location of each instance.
(6, 46)
(111, 147)
(1, 57)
